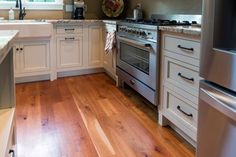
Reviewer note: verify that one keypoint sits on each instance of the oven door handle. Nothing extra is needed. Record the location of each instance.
(145, 46)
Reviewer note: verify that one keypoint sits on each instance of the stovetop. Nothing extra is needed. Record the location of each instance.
(159, 22)
(147, 29)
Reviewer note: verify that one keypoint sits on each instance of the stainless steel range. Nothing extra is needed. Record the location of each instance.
(138, 53)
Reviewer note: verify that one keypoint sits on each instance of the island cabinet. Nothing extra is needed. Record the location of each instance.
(109, 59)
(7, 95)
(78, 48)
(180, 57)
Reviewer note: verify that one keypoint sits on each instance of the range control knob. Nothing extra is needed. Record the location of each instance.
(142, 33)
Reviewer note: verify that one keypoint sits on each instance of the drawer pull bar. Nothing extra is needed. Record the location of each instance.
(186, 78)
(132, 82)
(185, 48)
(69, 38)
(187, 114)
(12, 152)
(69, 29)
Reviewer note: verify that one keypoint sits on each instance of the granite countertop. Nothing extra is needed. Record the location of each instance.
(6, 37)
(114, 22)
(72, 21)
(57, 21)
(189, 30)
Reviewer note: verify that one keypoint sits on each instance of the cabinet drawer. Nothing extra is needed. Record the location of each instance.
(144, 90)
(183, 75)
(69, 30)
(181, 46)
(180, 112)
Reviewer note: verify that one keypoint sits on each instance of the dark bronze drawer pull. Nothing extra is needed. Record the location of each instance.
(132, 82)
(185, 48)
(187, 114)
(69, 38)
(69, 29)
(186, 78)
(11, 151)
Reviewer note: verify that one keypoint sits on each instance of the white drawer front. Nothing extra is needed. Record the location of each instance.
(69, 30)
(180, 112)
(182, 46)
(182, 75)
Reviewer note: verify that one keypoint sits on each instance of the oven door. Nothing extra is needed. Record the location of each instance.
(139, 59)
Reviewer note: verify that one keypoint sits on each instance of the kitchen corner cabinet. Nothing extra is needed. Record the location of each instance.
(180, 56)
(109, 60)
(31, 58)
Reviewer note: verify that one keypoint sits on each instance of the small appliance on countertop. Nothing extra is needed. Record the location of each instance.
(138, 13)
(138, 43)
(79, 9)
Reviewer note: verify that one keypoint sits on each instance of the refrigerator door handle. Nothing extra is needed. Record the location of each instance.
(221, 101)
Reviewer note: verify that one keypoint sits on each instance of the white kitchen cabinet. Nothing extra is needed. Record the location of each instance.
(109, 60)
(95, 45)
(69, 51)
(180, 83)
(31, 58)
(78, 48)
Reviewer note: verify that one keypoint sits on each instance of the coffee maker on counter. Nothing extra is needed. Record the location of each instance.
(79, 9)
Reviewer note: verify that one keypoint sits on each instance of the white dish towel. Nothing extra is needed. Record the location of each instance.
(110, 42)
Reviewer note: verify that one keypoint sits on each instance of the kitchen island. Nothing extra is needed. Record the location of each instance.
(7, 99)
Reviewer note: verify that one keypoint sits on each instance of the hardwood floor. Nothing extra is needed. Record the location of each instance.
(87, 116)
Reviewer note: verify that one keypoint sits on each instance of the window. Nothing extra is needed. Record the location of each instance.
(42, 1)
(34, 4)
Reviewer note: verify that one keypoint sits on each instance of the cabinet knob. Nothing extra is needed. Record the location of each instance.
(21, 49)
(17, 49)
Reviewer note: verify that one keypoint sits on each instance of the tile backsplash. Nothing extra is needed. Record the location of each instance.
(95, 11)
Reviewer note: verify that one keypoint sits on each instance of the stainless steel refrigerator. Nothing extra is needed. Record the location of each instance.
(217, 100)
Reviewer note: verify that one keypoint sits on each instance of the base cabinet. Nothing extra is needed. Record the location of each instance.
(74, 49)
(109, 60)
(180, 84)
(95, 45)
(31, 58)
(69, 51)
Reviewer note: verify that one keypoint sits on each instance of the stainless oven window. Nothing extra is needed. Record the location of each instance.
(135, 57)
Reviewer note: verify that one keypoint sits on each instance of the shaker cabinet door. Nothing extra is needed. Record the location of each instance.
(95, 45)
(69, 52)
(34, 56)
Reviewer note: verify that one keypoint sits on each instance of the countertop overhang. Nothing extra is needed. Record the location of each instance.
(6, 38)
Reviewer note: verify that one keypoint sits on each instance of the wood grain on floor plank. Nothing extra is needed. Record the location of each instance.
(87, 116)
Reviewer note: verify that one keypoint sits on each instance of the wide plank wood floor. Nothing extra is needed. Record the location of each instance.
(87, 116)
